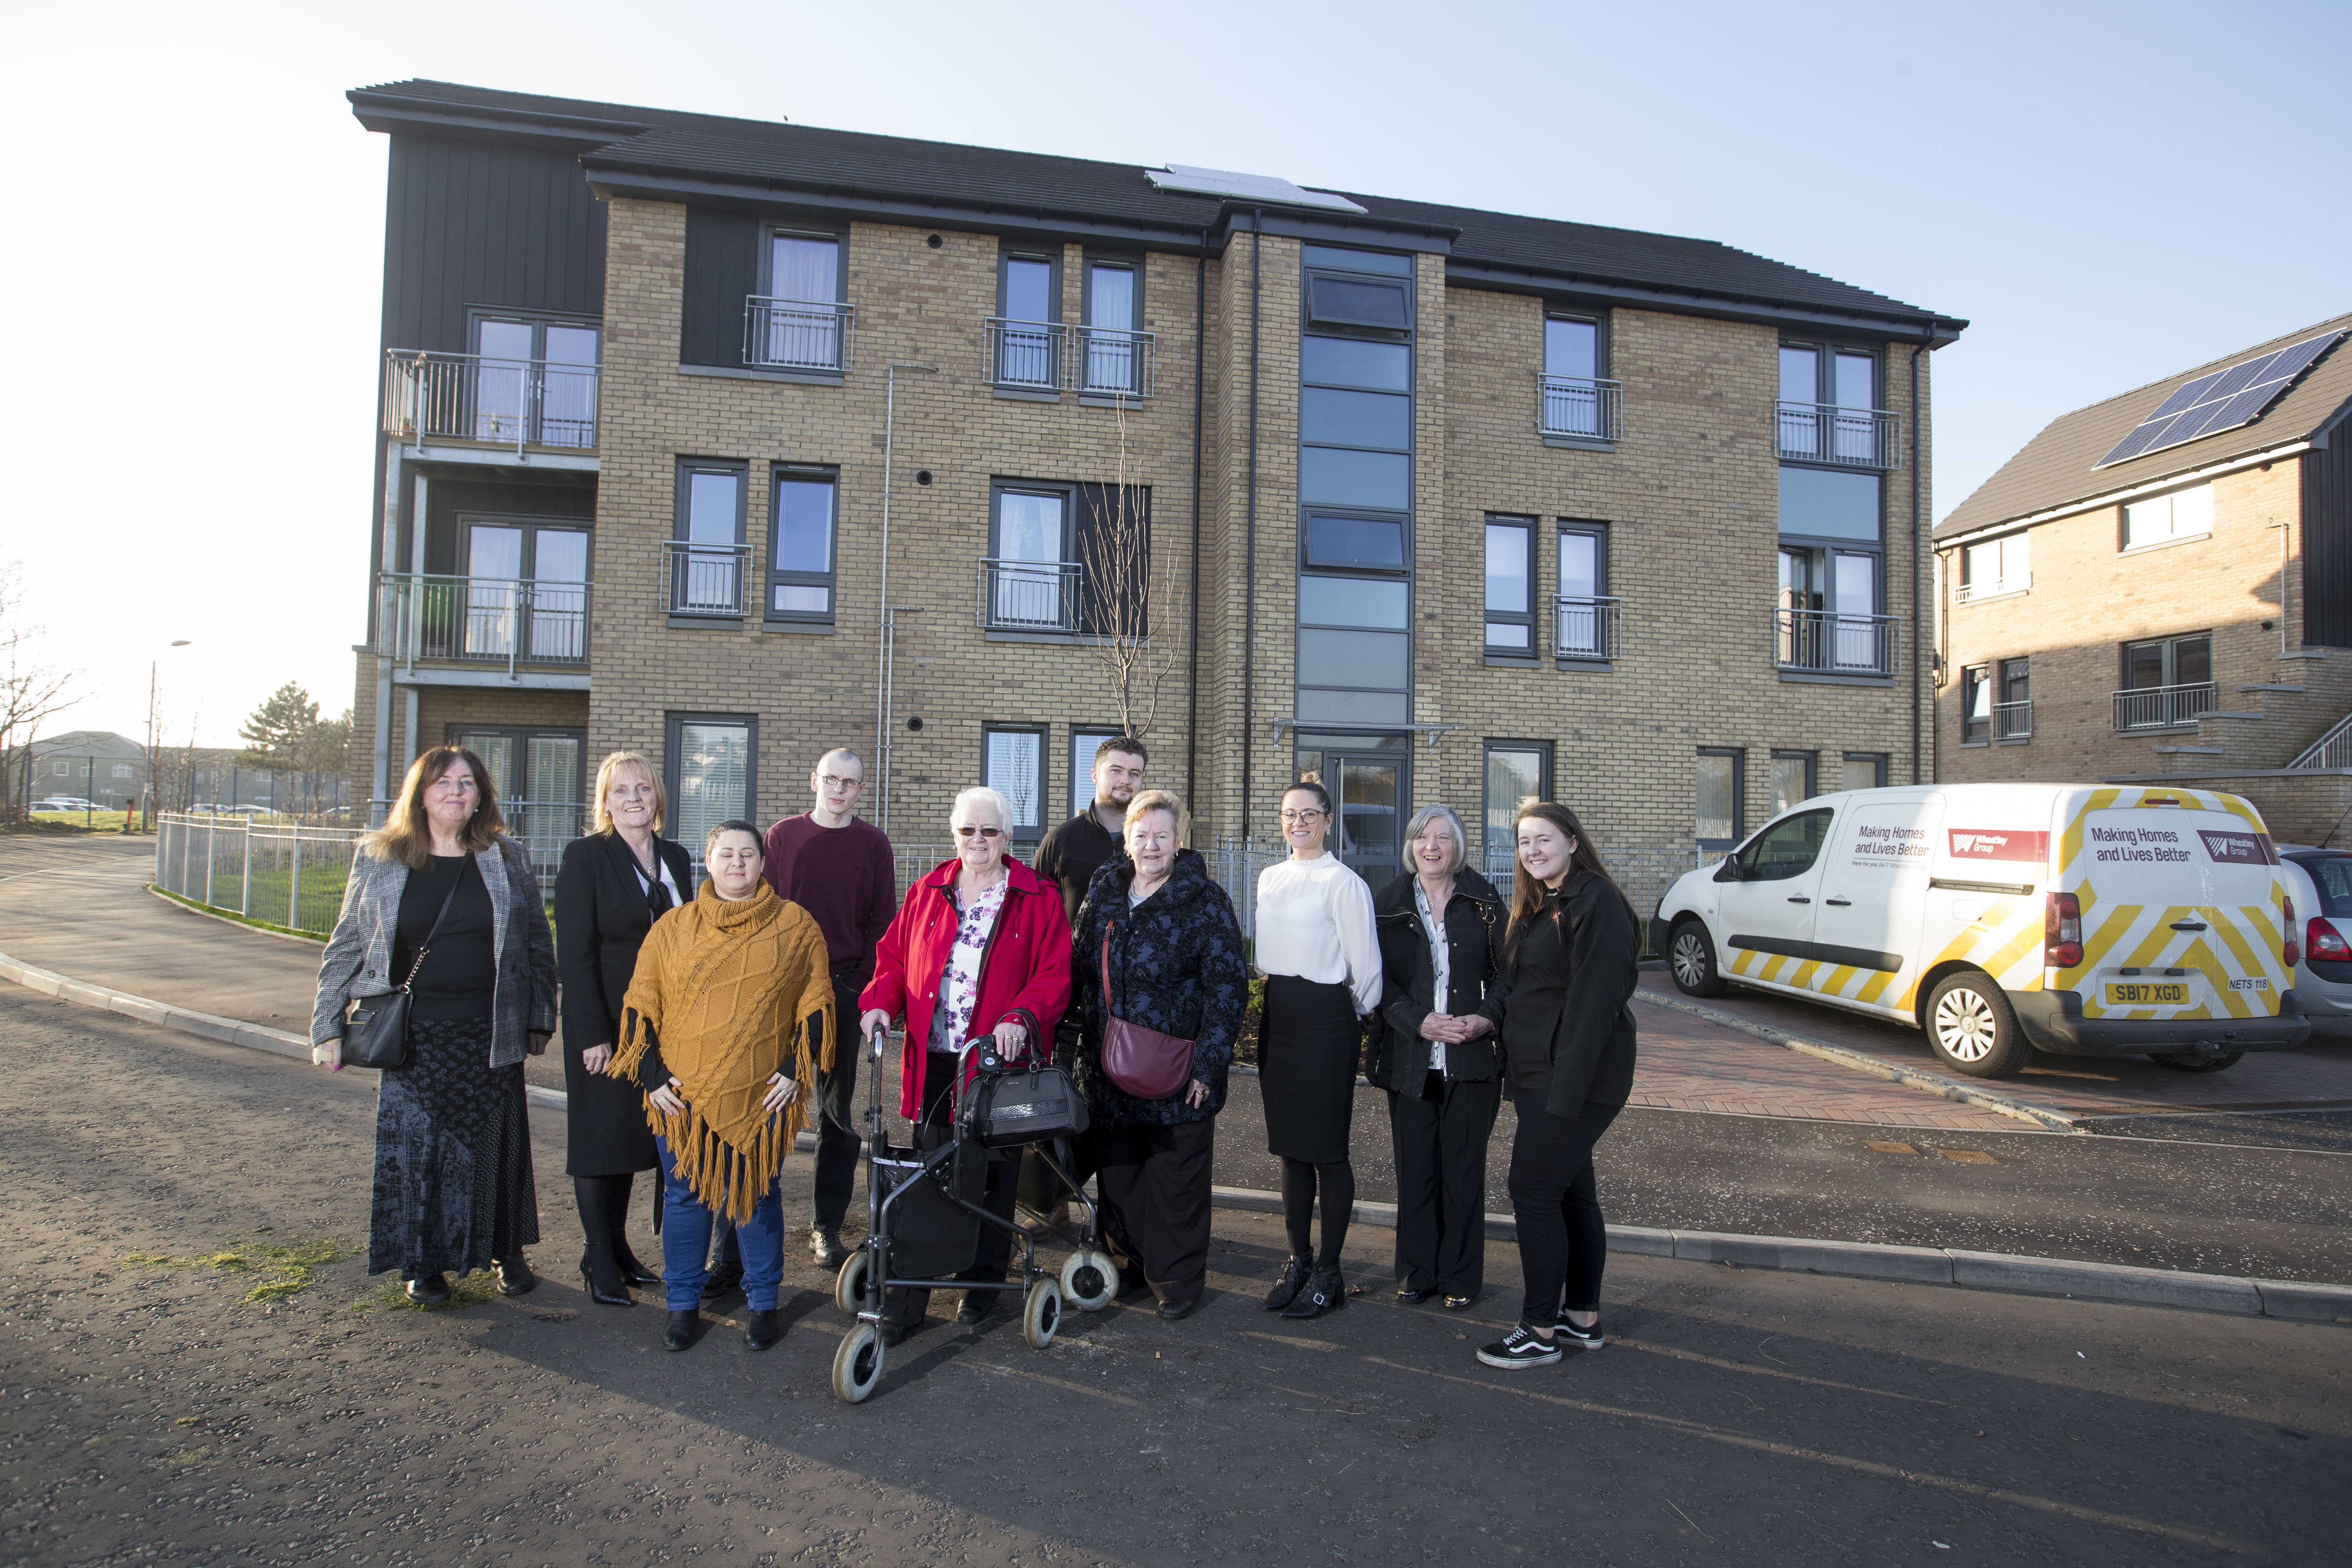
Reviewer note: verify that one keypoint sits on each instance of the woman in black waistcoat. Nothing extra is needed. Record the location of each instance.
(1438, 1054)
(1571, 957)
(612, 887)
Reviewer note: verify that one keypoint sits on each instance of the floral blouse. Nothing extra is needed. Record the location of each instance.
(959, 981)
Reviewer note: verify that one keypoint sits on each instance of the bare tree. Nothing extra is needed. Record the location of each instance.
(1127, 587)
(32, 689)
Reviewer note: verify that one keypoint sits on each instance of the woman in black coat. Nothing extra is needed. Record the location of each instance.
(613, 886)
(1571, 956)
(1167, 934)
(1437, 1055)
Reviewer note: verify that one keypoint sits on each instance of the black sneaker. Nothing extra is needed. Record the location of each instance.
(1567, 1333)
(1521, 1347)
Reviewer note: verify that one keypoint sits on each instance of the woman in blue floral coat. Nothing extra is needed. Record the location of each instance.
(1167, 935)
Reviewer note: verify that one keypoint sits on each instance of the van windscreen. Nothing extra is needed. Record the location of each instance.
(2332, 874)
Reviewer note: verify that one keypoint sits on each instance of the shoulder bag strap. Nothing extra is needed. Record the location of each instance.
(425, 946)
(1108, 926)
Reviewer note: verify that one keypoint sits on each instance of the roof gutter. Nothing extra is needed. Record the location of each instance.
(2109, 498)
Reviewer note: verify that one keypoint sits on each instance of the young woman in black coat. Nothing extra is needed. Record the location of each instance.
(1571, 957)
(612, 887)
(1437, 1055)
(1167, 934)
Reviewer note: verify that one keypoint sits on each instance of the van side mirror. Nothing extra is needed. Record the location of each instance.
(1728, 871)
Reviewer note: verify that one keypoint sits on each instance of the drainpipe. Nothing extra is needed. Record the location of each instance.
(1249, 610)
(882, 615)
(1200, 334)
(1919, 600)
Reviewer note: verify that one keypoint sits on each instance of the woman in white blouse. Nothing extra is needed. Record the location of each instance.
(1322, 966)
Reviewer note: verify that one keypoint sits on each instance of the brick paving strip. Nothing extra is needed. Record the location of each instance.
(1869, 1261)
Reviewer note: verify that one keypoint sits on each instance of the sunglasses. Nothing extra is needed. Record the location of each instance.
(989, 833)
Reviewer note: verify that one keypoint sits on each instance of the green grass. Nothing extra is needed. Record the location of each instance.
(280, 1270)
(239, 918)
(467, 1291)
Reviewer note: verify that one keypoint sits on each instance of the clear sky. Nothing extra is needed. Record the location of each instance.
(2108, 193)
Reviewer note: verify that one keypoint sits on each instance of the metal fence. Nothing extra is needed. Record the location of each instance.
(1834, 433)
(1060, 356)
(277, 872)
(482, 620)
(705, 579)
(797, 334)
(478, 398)
(1029, 596)
(2163, 707)
(2333, 750)
(1580, 406)
(1584, 626)
(1830, 642)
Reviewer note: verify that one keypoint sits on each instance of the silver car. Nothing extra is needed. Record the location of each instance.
(2321, 880)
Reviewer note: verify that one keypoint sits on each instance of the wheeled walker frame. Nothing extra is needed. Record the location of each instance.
(903, 1185)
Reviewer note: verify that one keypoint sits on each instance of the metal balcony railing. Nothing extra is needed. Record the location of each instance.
(2163, 707)
(482, 620)
(705, 579)
(1054, 356)
(1824, 642)
(1578, 405)
(797, 334)
(1583, 628)
(2333, 750)
(1832, 433)
(2013, 720)
(1029, 596)
(1969, 593)
(477, 398)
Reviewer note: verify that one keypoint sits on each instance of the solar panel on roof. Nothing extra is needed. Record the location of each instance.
(2222, 400)
(1245, 187)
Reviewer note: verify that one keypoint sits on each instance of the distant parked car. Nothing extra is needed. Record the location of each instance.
(66, 803)
(2321, 880)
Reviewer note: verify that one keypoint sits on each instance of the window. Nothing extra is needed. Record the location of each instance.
(1340, 294)
(1865, 770)
(1572, 347)
(800, 545)
(535, 380)
(1828, 616)
(1111, 356)
(1510, 586)
(1576, 401)
(1976, 705)
(537, 773)
(1584, 616)
(1518, 771)
(62, 769)
(1031, 579)
(1829, 503)
(799, 320)
(1370, 542)
(1084, 744)
(1828, 408)
(2013, 712)
(1722, 789)
(2183, 514)
(2166, 683)
(122, 770)
(1786, 848)
(1997, 566)
(713, 771)
(1029, 301)
(1013, 764)
(707, 551)
(1792, 779)
(526, 591)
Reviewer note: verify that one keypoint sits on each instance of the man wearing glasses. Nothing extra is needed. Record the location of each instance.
(839, 868)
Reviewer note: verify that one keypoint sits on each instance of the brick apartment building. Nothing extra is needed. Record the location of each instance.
(2161, 585)
(1439, 504)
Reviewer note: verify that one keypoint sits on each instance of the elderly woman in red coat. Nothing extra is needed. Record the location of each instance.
(981, 946)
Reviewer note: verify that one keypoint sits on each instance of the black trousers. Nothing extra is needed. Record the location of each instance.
(995, 1246)
(1563, 1240)
(1439, 1137)
(1155, 1191)
(836, 1110)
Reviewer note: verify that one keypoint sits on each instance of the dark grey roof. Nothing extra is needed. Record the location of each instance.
(809, 159)
(2056, 467)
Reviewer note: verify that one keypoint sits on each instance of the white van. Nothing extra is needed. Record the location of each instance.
(2078, 919)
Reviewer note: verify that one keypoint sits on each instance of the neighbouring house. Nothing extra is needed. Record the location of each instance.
(730, 440)
(97, 765)
(2160, 584)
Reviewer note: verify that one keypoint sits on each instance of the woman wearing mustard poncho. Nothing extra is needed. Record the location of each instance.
(729, 1013)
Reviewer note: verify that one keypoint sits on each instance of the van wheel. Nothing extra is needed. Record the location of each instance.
(1690, 954)
(2182, 1062)
(1973, 1027)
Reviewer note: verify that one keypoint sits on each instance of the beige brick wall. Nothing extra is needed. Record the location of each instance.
(2089, 598)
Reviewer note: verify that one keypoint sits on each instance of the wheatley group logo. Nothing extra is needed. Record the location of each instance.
(2238, 849)
(1998, 844)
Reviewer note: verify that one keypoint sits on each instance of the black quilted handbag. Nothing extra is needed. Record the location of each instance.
(1026, 1105)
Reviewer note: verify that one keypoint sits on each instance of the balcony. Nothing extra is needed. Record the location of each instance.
(1583, 628)
(1996, 588)
(1039, 597)
(2013, 720)
(797, 334)
(2163, 707)
(1579, 407)
(705, 580)
(1832, 433)
(479, 400)
(1056, 357)
(1823, 642)
(487, 622)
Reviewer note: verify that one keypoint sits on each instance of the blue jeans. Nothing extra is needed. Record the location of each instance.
(685, 1243)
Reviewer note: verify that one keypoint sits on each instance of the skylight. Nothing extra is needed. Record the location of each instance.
(1264, 188)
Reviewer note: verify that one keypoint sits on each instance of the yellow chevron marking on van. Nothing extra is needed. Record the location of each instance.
(1838, 978)
(1875, 987)
(2070, 843)
(2159, 937)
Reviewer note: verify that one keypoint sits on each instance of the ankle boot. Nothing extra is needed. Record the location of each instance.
(1325, 1292)
(1286, 1288)
(634, 1272)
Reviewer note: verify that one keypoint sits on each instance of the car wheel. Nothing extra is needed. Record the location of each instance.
(2181, 1062)
(1973, 1027)
(1690, 955)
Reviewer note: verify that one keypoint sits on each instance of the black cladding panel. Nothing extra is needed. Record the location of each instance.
(470, 223)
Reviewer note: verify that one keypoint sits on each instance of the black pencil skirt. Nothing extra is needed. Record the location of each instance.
(1306, 1068)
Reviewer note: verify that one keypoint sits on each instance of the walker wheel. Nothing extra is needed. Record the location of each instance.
(849, 1284)
(857, 1364)
(1089, 1280)
(1041, 1314)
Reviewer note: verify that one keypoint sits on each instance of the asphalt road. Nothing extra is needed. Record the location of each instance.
(149, 1411)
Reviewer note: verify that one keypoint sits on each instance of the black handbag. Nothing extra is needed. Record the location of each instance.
(1026, 1105)
(375, 1028)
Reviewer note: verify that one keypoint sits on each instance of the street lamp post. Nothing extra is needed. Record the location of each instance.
(148, 793)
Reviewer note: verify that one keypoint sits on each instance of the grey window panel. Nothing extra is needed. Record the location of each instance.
(1028, 289)
(1821, 503)
(1355, 541)
(804, 526)
(1354, 707)
(801, 599)
(1356, 302)
(1352, 602)
(1509, 635)
(1356, 418)
(1354, 659)
(1356, 261)
(1801, 375)
(1329, 476)
(1351, 361)
(1572, 347)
